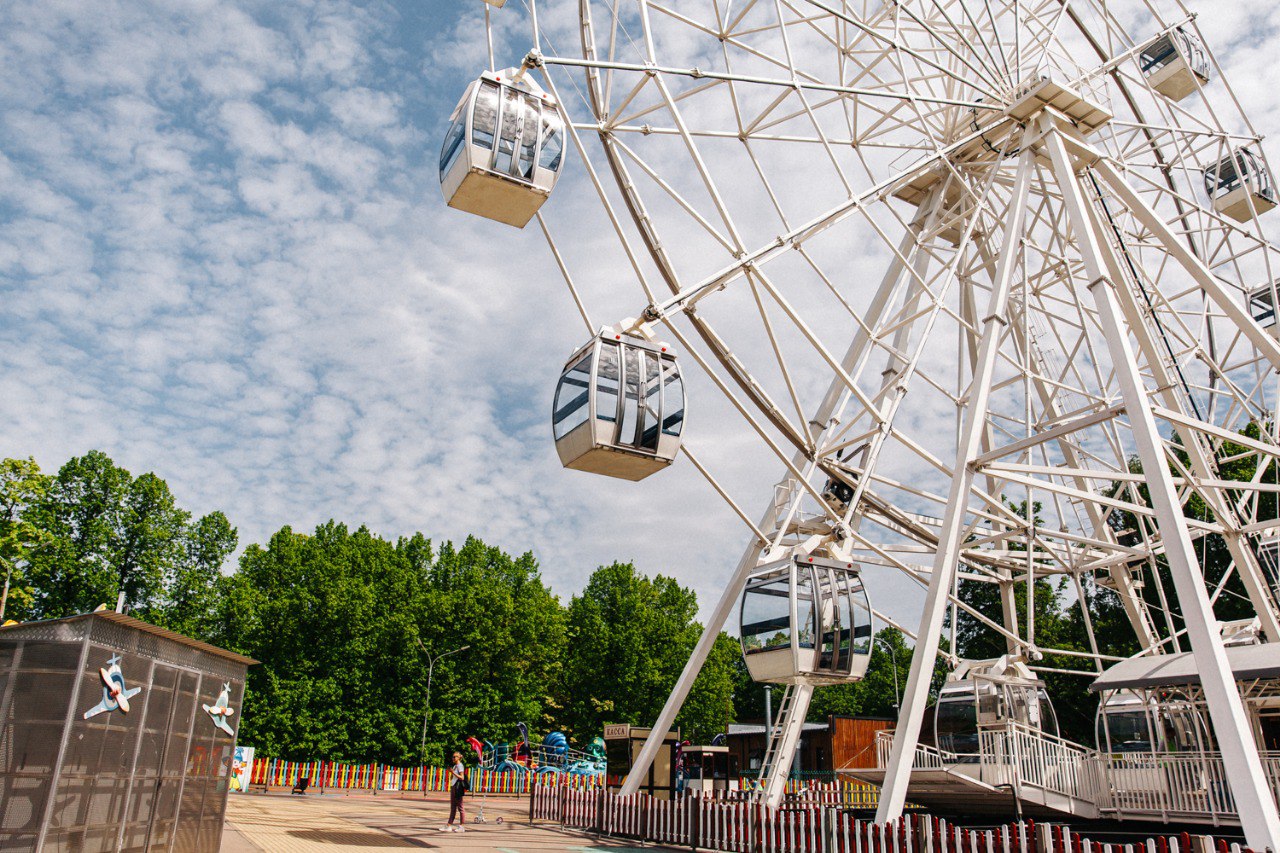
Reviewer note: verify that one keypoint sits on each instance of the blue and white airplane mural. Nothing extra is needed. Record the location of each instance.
(219, 711)
(114, 693)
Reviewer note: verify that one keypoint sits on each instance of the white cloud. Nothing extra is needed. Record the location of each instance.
(224, 257)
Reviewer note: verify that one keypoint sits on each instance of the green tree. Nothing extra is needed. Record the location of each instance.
(628, 639)
(21, 485)
(194, 581)
(336, 618)
(106, 533)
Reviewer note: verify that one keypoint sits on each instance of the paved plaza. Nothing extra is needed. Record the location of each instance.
(279, 823)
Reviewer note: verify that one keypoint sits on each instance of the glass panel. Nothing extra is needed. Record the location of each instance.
(672, 399)
(1158, 55)
(1262, 307)
(452, 144)
(1021, 709)
(1048, 717)
(570, 409)
(1194, 53)
(485, 115)
(528, 139)
(1128, 731)
(766, 616)
(650, 415)
(607, 383)
(847, 615)
(508, 131)
(805, 607)
(552, 142)
(956, 722)
(862, 638)
(833, 607)
(630, 433)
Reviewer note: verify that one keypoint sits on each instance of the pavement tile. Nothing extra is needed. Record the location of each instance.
(277, 823)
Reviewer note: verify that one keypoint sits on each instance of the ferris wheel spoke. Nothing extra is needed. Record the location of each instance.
(676, 197)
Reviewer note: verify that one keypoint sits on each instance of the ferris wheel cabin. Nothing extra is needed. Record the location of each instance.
(1176, 64)
(1262, 307)
(806, 620)
(619, 407)
(504, 149)
(1240, 184)
(989, 694)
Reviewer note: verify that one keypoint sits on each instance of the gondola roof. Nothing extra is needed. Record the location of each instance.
(1247, 663)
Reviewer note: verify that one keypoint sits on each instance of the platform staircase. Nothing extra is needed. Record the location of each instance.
(1018, 769)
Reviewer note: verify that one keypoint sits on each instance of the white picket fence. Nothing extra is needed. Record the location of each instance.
(740, 826)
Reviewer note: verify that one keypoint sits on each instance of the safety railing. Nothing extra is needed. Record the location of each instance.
(927, 757)
(1030, 758)
(1186, 785)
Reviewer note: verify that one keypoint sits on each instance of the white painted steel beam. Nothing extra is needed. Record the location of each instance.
(1256, 805)
(946, 559)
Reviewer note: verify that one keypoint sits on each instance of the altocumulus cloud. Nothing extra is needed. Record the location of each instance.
(224, 258)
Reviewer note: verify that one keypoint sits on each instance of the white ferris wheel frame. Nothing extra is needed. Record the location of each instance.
(1088, 197)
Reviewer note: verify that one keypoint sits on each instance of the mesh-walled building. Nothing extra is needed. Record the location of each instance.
(114, 735)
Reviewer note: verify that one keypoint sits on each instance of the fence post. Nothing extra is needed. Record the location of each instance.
(695, 820)
(600, 804)
(1043, 838)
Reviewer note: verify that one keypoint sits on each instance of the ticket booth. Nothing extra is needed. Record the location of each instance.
(710, 768)
(622, 744)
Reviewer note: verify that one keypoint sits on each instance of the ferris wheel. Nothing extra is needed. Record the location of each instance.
(941, 257)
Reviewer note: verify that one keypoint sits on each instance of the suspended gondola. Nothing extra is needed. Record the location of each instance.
(989, 694)
(504, 149)
(1240, 185)
(806, 620)
(619, 407)
(1176, 64)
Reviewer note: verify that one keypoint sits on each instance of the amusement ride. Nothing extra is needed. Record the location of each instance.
(942, 257)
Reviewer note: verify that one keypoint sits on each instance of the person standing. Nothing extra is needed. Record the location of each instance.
(457, 790)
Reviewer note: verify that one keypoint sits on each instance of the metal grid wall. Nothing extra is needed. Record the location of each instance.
(154, 779)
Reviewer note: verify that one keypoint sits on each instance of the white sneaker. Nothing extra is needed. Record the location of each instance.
(459, 829)
(445, 828)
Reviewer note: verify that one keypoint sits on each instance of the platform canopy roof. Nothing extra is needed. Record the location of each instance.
(1247, 663)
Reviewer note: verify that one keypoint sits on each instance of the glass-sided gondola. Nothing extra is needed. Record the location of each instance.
(619, 407)
(1175, 64)
(989, 694)
(806, 620)
(504, 149)
(1240, 184)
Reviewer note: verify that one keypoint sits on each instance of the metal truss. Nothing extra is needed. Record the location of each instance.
(931, 310)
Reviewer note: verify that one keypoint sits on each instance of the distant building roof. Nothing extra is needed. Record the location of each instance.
(1247, 662)
(128, 622)
(752, 729)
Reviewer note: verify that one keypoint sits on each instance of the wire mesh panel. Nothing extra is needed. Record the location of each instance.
(104, 741)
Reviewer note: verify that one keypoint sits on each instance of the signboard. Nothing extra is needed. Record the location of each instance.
(617, 732)
(242, 768)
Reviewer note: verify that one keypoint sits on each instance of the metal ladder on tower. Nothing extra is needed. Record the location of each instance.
(782, 743)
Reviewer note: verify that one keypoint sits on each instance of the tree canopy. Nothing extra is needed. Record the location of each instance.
(348, 625)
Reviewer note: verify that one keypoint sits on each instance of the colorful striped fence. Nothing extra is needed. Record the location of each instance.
(333, 775)
(739, 826)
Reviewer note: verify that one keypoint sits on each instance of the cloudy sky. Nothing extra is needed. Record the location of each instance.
(224, 257)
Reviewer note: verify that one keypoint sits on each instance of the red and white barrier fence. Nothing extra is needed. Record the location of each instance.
(739, 826)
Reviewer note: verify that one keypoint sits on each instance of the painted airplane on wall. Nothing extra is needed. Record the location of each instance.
(114, 694)
(219, 711)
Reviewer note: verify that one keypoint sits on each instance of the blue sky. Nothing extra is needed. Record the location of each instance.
(224, 257)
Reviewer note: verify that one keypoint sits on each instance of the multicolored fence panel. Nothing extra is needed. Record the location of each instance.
(712, 823)
(333, 775)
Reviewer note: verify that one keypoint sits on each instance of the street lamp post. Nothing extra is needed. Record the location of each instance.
(431, 665)
(893, 656)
